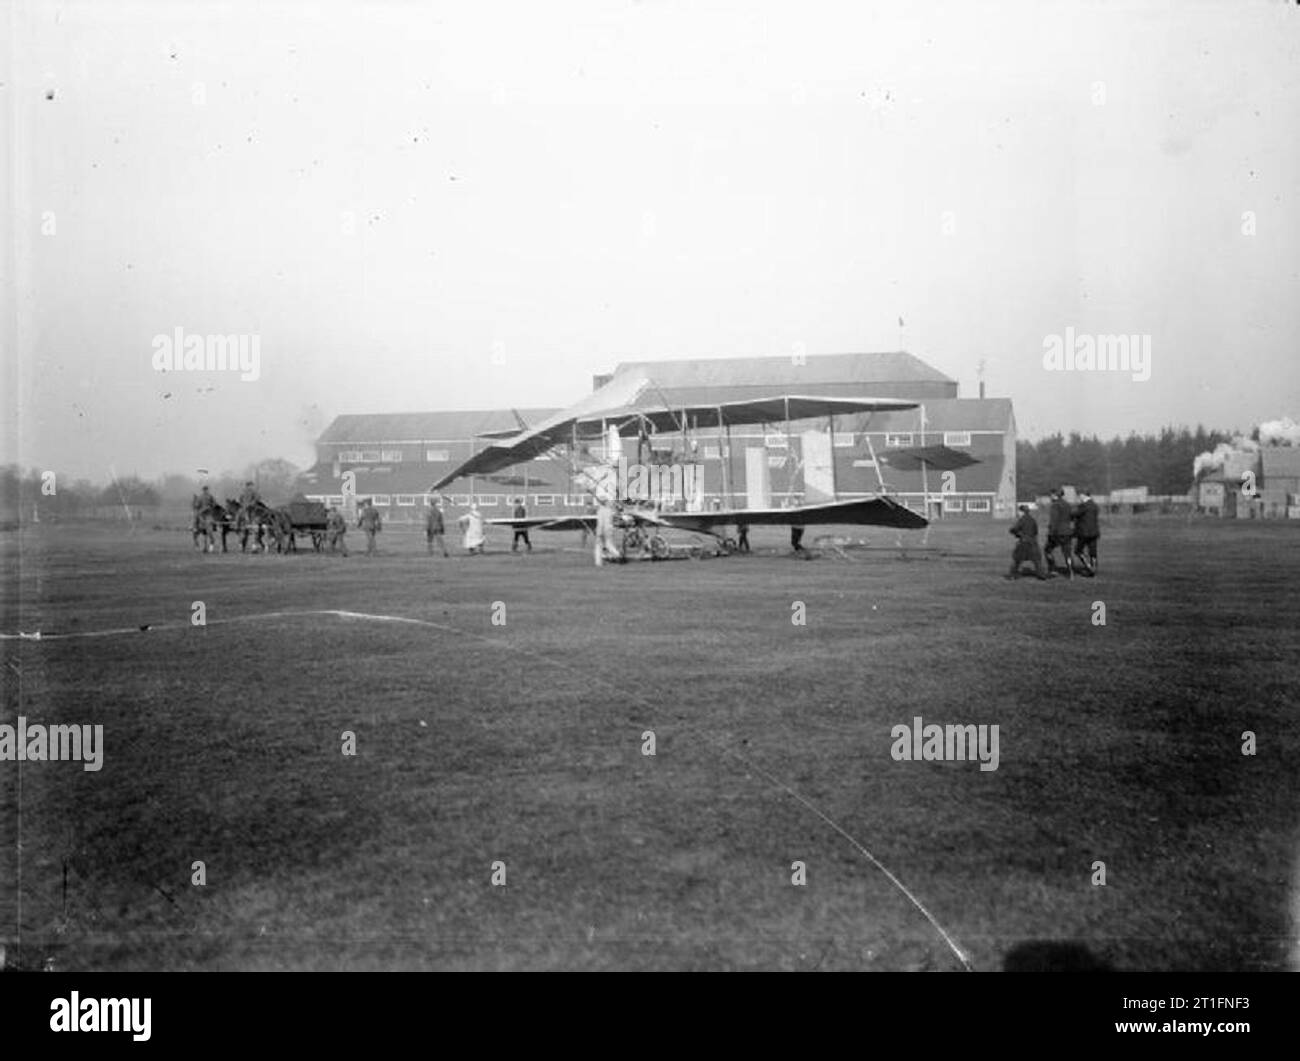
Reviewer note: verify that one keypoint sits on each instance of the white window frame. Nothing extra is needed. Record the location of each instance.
(544, 500)
(956, 438)
(385, 500)
(952, 504)
(844, 439)
(776, 442)
(979, 504)
(894, 439)
(437, 456)
(406, 500)
(488, 500)
(390, 456)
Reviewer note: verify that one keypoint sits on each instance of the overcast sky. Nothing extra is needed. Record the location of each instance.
(472, 205)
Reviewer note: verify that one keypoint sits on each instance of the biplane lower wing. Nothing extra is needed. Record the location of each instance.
(872, 511)
(549, 523)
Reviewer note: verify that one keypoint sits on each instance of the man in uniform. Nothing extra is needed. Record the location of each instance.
(742, 537)
(202, 504)
(249, 496)
(1026, 534)
(1087, 529)
(521, 533)
(435, 527)
(336, 527)
(1060, 532)
(370, 522)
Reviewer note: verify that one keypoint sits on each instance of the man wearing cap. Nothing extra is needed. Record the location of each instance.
(1060, 532)
(1026, 534)
(370, 522)
(521, 533)
(336, 527)
(1087, 529)
(435, 528)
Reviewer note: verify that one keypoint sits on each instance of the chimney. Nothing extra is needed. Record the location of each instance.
(981, 390)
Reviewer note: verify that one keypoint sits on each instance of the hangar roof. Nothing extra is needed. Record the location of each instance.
(889, 367)
(416, 427)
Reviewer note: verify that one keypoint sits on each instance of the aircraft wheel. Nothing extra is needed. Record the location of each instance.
(728, 545)
(658, 547)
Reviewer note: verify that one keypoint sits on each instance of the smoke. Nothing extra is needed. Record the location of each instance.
(1284, 432)
(1212, 460)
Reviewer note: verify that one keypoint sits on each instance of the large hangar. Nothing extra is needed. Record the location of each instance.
(394, 457)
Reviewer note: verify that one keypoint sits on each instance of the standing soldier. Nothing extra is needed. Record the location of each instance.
(742, 537)
(1026, 533)
(202, 504)
(250, 496)
(371, 524)
(1087, 529)
(336, 528)
(1060, 531)
(435, 528)
(521, 533)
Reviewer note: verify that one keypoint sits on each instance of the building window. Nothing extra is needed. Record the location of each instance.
(844, 439)
(956, 438)
(460, 499)
(406, 500)
(952, 504)
(776, 442)
(544, 500)
(977, 504)
(776, 462)
(898, 439)
(437, 456)
(712, 453)
(369, 456)
(349, 456)
(391, 456)
(383, 499)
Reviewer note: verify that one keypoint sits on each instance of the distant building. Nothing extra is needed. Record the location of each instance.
(1280, 481)
(395, 457)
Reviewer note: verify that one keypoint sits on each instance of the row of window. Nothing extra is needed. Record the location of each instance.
(956, 504)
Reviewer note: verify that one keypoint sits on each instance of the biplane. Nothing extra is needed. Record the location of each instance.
(632, 409)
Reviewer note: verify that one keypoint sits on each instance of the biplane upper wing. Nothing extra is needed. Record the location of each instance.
(876, 511)
(632, 402)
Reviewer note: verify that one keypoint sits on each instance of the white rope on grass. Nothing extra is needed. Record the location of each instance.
(724, 749)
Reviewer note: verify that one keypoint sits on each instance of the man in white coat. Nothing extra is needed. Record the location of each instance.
(473, 524)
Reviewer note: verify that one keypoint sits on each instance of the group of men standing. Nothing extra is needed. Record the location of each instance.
(1067, 524)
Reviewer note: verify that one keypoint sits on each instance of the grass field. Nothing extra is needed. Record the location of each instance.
(522, 743)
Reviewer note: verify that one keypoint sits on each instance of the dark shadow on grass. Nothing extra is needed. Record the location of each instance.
(1049, 956)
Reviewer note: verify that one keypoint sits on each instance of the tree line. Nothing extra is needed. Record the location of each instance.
(56, 496)
(1162, 463)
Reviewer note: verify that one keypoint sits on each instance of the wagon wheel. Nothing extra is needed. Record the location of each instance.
(728, 546)
(658, 547)
(632, 540)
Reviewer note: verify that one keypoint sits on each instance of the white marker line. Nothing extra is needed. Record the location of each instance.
(371, 617)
